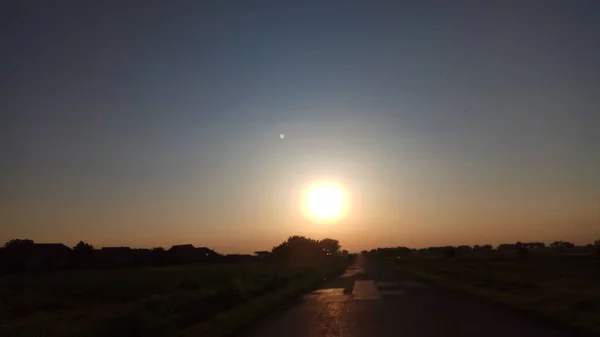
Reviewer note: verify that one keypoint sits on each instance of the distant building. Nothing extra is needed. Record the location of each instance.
(182, 254)
(47, 256)
(115, 250)
(239, 258)
(207, 253)
(115, 256)
(263, 254)
(181, 249)
(190, 254)
(142, 256)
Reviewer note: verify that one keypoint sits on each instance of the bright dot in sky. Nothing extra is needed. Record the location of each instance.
(282, 136)
(324, 202)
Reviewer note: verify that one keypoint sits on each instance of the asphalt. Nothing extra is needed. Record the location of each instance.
(369, 300)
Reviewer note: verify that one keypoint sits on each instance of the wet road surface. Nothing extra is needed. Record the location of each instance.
(372, 301)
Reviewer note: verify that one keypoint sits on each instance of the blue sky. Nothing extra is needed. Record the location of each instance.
(448, 123)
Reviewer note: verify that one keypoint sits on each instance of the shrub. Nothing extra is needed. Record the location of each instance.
(523, 252)
(450, 252)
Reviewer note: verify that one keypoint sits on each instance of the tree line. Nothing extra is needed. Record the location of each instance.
(23, 255)
(521, 249)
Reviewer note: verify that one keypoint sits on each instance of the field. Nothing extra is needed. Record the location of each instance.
(147, 302)
(561, 289)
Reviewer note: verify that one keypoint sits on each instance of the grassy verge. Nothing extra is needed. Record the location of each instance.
(227, 323)
(153, 302)
(562, 290)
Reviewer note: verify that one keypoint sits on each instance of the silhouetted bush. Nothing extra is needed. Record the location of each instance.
(302, 250)
(263, 255)
(81, 256)
(449, 252)
(16, 253)
(523, 252)
(562, 245)
(464, 249)
(83, 247)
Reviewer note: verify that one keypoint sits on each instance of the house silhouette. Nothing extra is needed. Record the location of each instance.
(189, 254)
(115, 256)
(47, 256)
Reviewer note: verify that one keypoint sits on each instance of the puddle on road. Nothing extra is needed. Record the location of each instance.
(365, 290)
(329, 291)
(353, 270)
(390, 288)
(328, 295)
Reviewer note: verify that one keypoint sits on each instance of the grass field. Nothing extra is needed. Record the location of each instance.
(148, 302)
(563, 289)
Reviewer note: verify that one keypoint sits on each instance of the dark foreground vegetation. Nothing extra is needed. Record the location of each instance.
(560, 283)
(200, 299)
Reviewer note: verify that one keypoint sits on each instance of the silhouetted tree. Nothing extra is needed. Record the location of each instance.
(302, 250)
(463, 249)
(392, 253)
(81, 256)
(330, 246)
(263, 255)
(533, 245)
(523, 252)
(17, 253)
(449, 252)
(506, 246)
(18, 244)
(83, 247)
(521, 249)
(159, 256)
(562, 245)
(539, 245)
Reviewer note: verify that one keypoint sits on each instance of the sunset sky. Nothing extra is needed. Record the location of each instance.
(445, 122)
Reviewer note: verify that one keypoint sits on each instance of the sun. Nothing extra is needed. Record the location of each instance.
(324, 202)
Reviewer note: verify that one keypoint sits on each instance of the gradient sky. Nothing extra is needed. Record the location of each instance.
(447, 122)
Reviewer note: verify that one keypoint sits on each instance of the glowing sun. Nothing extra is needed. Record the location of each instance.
(325, 202)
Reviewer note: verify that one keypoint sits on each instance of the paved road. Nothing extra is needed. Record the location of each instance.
(372, 301)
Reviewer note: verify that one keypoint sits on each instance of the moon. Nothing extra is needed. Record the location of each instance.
(281, 136)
